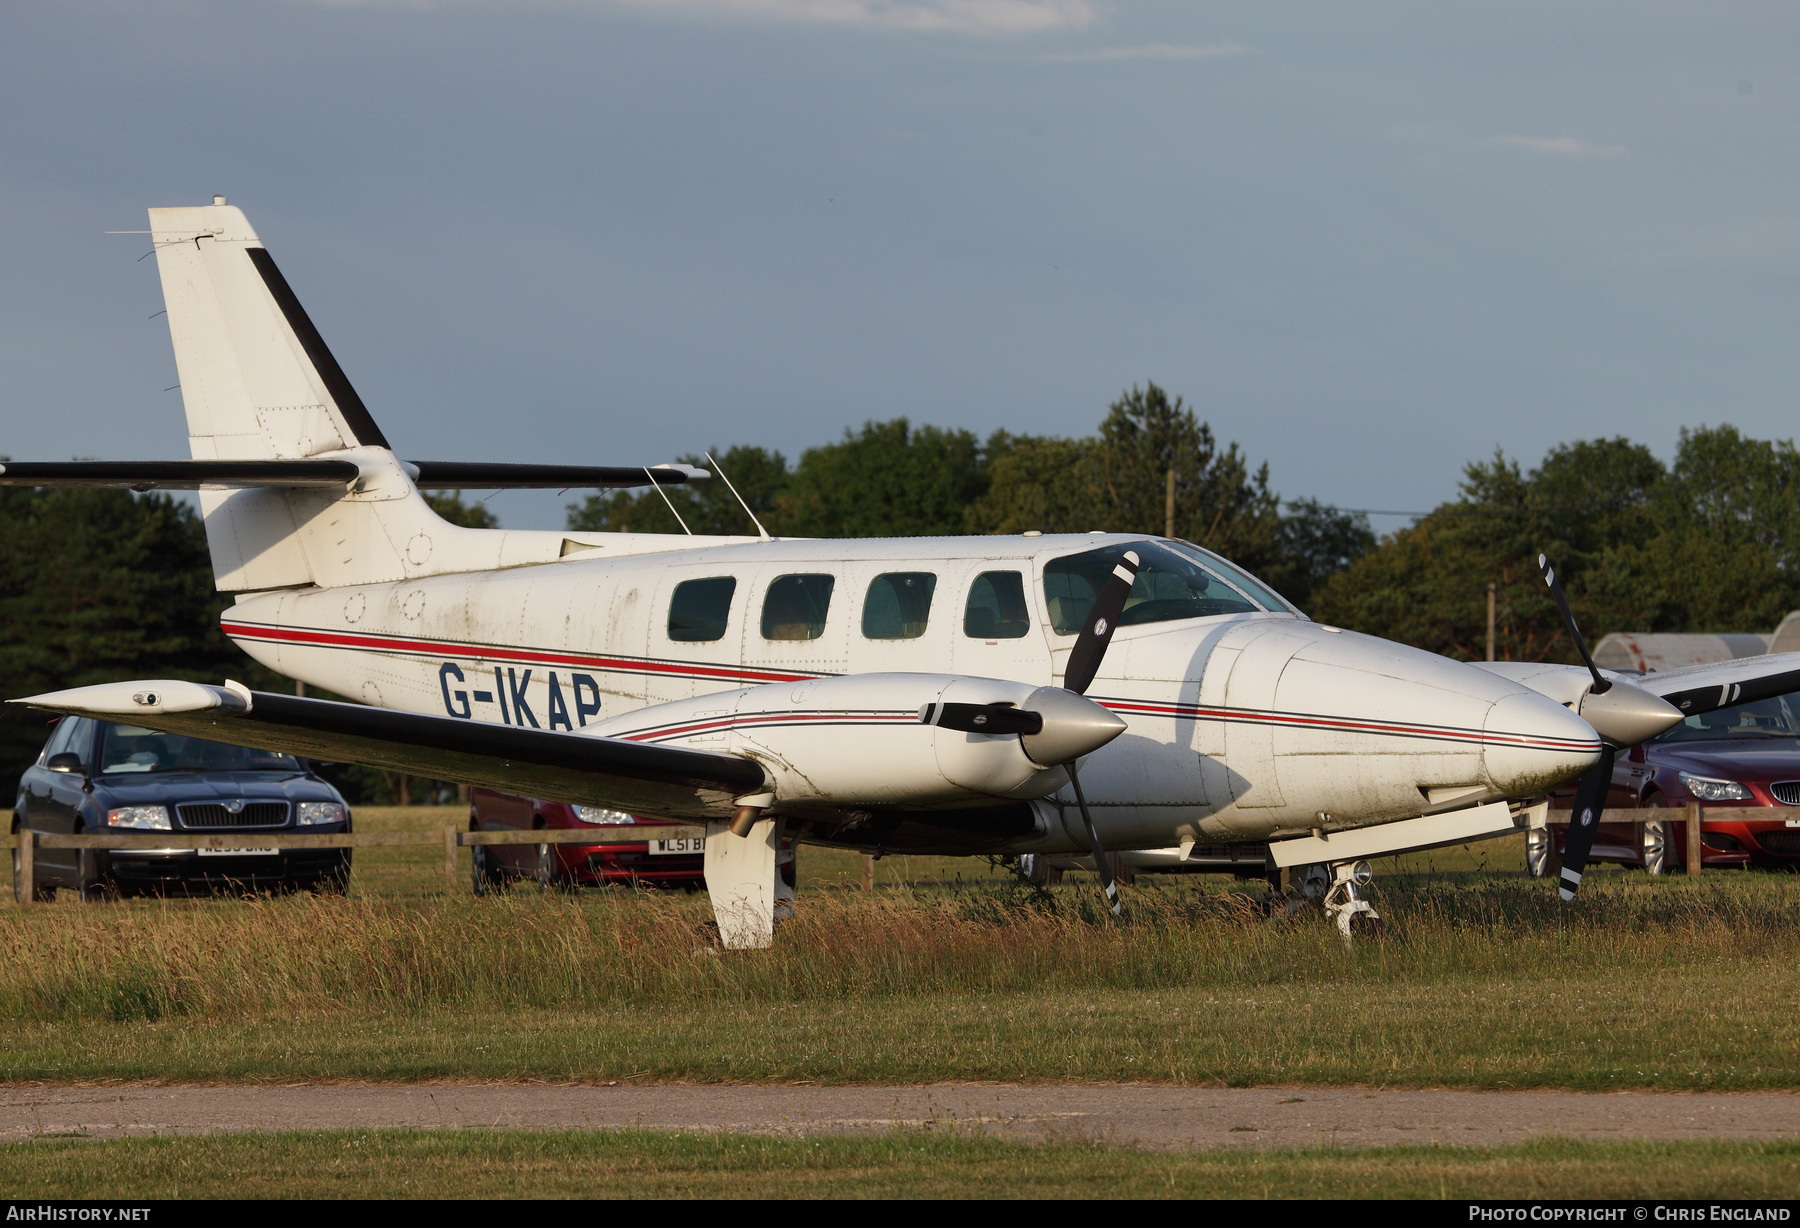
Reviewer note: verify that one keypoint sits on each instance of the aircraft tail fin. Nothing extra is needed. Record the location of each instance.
(297, 484)
(257, 379)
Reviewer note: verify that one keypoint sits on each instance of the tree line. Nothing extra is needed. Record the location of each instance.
(97, 585)
(894, 479)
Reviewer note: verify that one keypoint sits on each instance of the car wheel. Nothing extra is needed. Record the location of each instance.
(1655, 840)
(335, 883)
(549, 869)
(93, 887)
(481, 872)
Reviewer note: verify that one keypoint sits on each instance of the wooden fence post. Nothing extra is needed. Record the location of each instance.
(450, 860)
(1694, 848)
(27, 868)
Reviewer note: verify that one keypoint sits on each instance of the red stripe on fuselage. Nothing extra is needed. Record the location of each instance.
(411, 646)
(422, 647)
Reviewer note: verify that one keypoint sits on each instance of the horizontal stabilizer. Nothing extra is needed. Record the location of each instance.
(327, 471)
(655, 781)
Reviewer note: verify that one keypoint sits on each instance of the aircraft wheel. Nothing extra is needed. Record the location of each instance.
(1537, 852)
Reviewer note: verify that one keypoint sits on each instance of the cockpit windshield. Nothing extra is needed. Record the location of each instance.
(129, 748)
(1170, 585)
(1764, 718)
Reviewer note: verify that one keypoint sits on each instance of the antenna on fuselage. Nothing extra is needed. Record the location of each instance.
(665, 499)
(762, 532)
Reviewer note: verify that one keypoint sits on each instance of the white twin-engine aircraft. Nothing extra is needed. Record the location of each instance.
(924, 695)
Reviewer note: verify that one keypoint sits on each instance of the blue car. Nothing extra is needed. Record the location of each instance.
(97, 776)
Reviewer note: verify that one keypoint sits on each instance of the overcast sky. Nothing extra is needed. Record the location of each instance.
(1367, 241)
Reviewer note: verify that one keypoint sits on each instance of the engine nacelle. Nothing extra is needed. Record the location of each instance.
(858, 740)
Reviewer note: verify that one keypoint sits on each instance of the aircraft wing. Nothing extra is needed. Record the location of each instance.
(655, 781)
(1701, 688)
(1691, 691)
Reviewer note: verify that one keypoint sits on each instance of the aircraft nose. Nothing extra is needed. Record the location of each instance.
(1532, 744)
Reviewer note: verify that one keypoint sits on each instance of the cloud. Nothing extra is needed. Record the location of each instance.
(1561, 146)
(924, 16)
(1155, 51)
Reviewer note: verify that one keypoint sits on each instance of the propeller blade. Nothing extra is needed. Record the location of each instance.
(1709, 698)
(1584, 820)
(1102, 620)
(1601, 685)
(982, 718)
(1106, 878)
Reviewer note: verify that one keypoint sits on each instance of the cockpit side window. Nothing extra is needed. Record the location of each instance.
(1235, 576)
(795, 607)
(996, 607)
(898, 605)
(1169, 586)
(699, 609)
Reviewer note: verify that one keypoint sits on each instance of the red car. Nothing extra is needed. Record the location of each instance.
(1748, 755)
(671, 863)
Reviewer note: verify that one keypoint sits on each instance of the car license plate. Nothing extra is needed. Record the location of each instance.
(691, 846)
(239, 852)
(1793, 822)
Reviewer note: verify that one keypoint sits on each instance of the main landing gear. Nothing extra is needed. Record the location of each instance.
(1341, 889)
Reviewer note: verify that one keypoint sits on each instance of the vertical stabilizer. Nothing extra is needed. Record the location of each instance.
(258, 382)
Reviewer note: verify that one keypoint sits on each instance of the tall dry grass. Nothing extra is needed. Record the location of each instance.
(304, 956)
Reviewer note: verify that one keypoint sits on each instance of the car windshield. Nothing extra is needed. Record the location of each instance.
(129, 748)
(1765, 718)
(1168, 586)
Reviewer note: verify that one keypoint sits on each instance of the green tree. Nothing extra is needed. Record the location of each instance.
(1037, 482)
(890, 479)
(708, 507)
(1711, 543)
(449, 505)
(1315, 543)
(99, 585)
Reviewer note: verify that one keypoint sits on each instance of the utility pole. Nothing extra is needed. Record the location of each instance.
(1491, 591)
(1169, 508)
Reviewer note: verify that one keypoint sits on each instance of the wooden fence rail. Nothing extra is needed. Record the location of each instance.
(1696, 818)
(451, 838)
(448, 838)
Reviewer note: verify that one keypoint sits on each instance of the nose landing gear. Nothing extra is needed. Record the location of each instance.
(1340, 889)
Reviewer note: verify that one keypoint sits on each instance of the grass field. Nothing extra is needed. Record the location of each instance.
(649, 1164)
(948, 970)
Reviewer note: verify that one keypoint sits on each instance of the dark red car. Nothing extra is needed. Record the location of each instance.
(671, 863)
(1748, 755)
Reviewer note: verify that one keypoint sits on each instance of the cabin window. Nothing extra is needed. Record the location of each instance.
(795, 607)
(700, 609)
(898, 605)
(1169, 586)
(996, 608)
